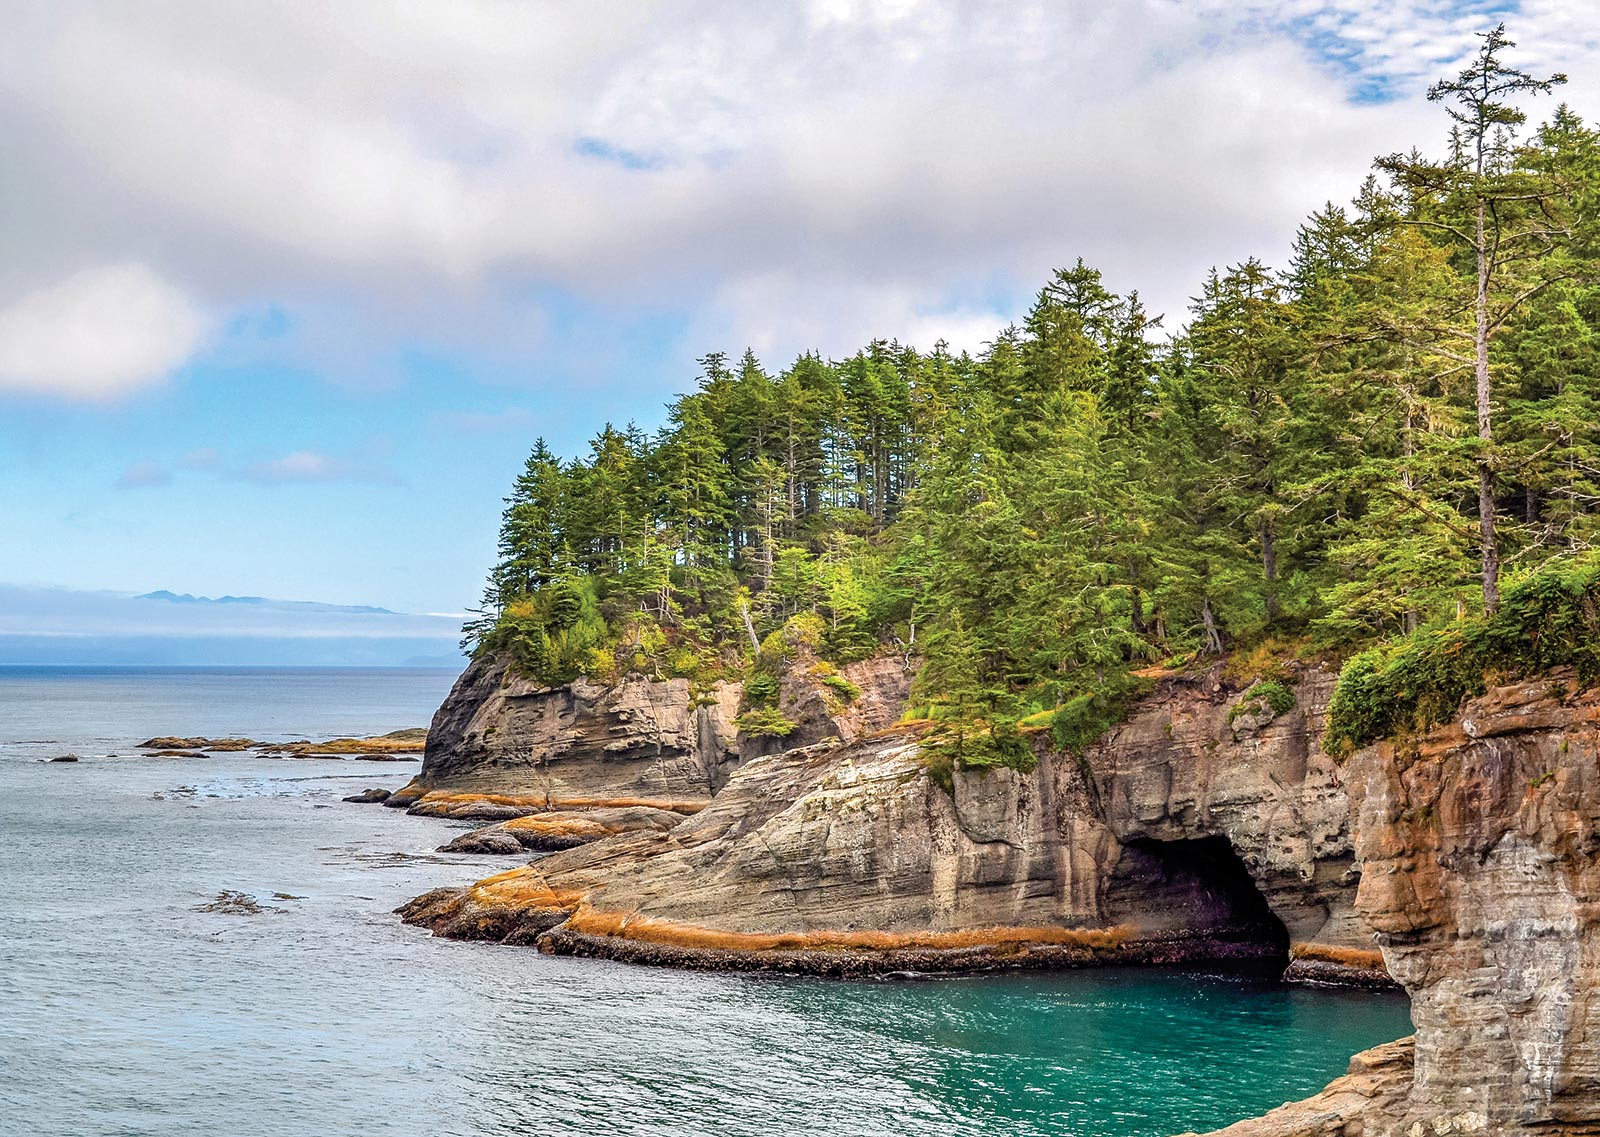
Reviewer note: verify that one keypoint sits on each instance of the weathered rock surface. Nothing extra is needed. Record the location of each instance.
(369, 797)
(640, 740)
(1363, 1103)
(1480, 845)
(396, 746)
(1190, 765)
(1156, 839)
(1470, 856)
(550, 831)
(166, 742)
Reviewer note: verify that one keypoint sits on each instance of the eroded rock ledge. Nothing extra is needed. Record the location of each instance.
(1195, 832)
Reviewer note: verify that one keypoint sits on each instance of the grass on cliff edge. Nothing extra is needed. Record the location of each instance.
(1550, 619)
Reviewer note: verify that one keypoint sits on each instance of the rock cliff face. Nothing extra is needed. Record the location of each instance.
(498, 732)
(1205, 826)
(1480, 845)
(640, 741)
(1193, 831)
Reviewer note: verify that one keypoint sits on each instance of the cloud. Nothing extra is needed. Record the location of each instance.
(99, 333)
(206, 458)
(485, 422)
(144, 474)
(298, 466)
(418, 172)
(314, 466)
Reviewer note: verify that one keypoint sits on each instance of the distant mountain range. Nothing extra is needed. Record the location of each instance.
(305, 605)
(58, 626)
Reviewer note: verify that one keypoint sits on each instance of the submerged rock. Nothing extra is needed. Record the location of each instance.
(406, 796)
(66, 758)
(232, 903)
(222, 744)
(369, 797)
(397, 746)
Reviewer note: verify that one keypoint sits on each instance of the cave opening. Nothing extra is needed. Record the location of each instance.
(1199, 894)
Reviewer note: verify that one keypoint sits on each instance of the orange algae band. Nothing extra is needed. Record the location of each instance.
(1347, 957)
(522, 887)
(539, 801)
(630, 926)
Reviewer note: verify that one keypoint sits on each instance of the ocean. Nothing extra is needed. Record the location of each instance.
(126, 1009)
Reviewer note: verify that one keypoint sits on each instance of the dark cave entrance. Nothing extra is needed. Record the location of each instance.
(1199, 895)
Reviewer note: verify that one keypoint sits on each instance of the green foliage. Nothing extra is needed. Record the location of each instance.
(1078, 722)
(1306, 460)
(1268, 695)
(842, 687)
(1550, 619)
(979, 744)
(765, 722)
(762, 687)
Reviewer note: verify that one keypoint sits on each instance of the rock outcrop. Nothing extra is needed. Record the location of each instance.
(1480, 846)
(552, 830)
(1194, 831)
(655, 742)
(1464, 862)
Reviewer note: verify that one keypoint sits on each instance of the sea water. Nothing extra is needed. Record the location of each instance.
(126, 1009)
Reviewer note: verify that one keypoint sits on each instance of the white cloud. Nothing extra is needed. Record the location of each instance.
(423, 164)
(145, 474)
(315, 466)
(485, 422)
(100, 333)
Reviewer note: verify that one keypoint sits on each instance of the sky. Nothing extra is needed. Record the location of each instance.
(287, 290)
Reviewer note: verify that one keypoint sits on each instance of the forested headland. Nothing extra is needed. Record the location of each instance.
(1381, 451)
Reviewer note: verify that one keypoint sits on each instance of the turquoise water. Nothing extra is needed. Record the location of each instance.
(125, 1011)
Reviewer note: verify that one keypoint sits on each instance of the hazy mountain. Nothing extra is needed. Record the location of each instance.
(54, 626)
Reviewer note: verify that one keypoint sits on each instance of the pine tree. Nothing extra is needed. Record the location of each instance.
(1482, 198)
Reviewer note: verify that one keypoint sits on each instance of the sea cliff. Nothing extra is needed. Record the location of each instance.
(1207, 826)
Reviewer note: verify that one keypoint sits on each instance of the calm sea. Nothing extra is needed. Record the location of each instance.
(124, 1010)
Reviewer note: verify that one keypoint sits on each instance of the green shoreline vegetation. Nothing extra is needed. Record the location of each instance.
(1340, 459)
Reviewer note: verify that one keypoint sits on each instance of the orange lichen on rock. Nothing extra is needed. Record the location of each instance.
(445, 802)
(632, 926)
(560, 825)
(1371, 959)
(523, 887)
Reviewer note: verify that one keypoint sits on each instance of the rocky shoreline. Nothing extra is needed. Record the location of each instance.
(1204, 829)
(397, 746)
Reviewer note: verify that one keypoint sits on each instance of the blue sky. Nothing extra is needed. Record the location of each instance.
(287, 291)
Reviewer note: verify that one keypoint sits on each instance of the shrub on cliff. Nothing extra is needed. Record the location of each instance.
(1547, 620)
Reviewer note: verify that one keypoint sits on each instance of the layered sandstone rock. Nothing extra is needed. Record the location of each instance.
(1200, 761)
(637, 741)
(499, 732)
(1480, 845)
(552, 830)
(1194, 831)
(1203, 826)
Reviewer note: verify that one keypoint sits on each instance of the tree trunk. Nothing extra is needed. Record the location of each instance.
(1269, 570)
(1213, 642)
(1488, 547)
(750, 628)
